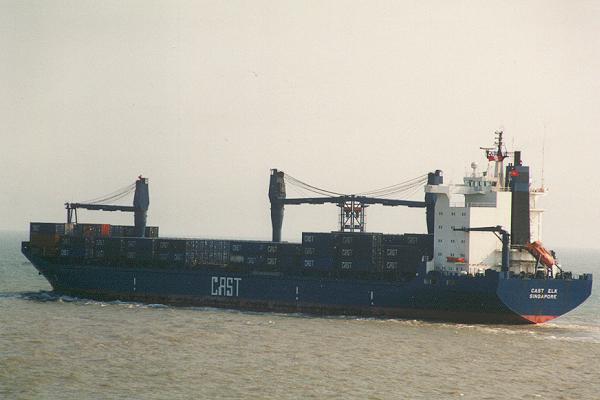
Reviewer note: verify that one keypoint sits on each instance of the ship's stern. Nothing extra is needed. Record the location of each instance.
(541, 300)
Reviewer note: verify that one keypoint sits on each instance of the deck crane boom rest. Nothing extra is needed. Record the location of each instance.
(141, 202)
(352, 206)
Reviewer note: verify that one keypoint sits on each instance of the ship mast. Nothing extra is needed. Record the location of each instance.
(497, 155)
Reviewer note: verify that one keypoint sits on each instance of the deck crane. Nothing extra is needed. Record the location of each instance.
(141, 202)
(352, 206)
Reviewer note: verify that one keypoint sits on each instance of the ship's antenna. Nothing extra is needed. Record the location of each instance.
(501, 154)
(499, 142)
(543, 156)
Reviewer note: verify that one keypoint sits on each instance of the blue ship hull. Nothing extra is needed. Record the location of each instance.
(493, 298)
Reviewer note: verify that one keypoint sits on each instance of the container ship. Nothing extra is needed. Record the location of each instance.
(481, 260)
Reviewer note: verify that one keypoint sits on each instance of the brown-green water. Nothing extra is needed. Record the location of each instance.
(54, 347)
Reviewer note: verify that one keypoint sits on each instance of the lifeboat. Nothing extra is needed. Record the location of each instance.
(455, 259)
(540, 253)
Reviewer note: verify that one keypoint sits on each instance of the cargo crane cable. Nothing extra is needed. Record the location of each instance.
(410, 190)
(410, 186)
(412, 193)
(119, 197)
(113, 196)
(302, 185)
(403, 186)
(398, 188)
(296, 191)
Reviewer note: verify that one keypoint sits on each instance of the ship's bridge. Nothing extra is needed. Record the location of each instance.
(498, 196)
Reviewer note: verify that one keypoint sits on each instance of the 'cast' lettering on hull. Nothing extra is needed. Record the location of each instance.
(225, 286)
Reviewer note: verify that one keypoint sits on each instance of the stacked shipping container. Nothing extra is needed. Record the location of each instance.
(364, 252)
(318, 251)
(344, 253)
(128, 231)
(358, 251)
(403, 254)
(45, 237)
(341, 251)
(266, 256)
(192, 252)
(81, 240)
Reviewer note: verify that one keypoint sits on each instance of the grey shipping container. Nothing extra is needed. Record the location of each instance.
(51, 228)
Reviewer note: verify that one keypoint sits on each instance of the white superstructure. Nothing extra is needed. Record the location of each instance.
(480, 201)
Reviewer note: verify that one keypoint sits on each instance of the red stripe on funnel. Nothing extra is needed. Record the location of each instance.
(538, 319)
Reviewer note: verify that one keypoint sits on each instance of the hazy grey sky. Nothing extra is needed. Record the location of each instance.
(205, 97)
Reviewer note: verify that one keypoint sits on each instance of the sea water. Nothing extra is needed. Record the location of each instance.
(59, 347)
